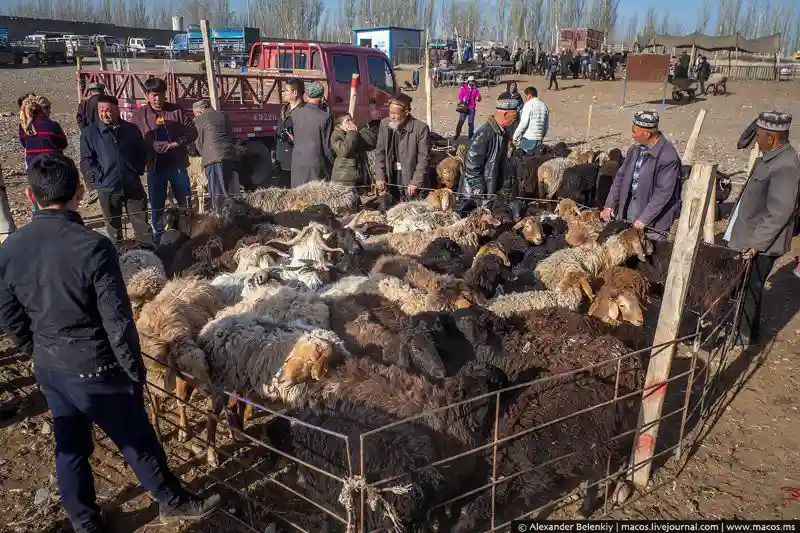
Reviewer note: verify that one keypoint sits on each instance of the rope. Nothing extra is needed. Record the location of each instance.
(355, 484)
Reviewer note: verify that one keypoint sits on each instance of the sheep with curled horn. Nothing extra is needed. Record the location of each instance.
(310, 244)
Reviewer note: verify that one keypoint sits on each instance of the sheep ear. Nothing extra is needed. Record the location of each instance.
(613, 310)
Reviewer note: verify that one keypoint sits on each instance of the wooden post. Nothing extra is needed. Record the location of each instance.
(101, 55)
(211, 75)
(589, 123)
(78, 68)
(428, 93)
(624, 90)
(755, 151)
(688, 153)
(353, 96)
(695, 205)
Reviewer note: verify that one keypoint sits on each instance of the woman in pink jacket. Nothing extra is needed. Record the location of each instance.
(469, 95)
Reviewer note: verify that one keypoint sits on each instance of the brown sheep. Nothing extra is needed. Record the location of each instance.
(493, 248)
(448, 171)
(531, 229)
(585, 228)
(567, 208)
(168, 326)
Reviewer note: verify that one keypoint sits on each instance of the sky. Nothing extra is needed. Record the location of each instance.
(684, 11)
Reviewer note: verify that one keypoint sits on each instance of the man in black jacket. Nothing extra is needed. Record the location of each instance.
(63, 302)
(486, 156)
(113, 157)
(87, 114)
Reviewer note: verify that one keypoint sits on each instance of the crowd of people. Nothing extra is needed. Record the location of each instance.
(84, 344)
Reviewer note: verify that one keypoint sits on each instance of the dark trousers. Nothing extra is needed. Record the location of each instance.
(470, 118)
(553, 80)
(112, 204)
(116, 404)
(751, 302)
(219, 176)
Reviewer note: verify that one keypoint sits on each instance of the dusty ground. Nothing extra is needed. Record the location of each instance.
(739, 469)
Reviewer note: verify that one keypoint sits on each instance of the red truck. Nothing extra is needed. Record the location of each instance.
(253, 99)
(579, 39)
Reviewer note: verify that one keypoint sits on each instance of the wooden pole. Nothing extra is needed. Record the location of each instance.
(589, 123)
(688, 153)
(695, 205)
(211, 75)
(78, 68)
(624, 90)
(428, 93)
(755, 151)
(353, 96)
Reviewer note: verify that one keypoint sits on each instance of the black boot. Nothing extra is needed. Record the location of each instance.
(195, 509)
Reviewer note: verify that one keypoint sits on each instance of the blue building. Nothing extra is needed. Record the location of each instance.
(388, 39)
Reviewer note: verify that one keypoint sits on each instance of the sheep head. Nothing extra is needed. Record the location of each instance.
(636, 243)
(581, 156)
(448, 172)
(461, 151)
(307, 360)
(441, 199)
(577, 281)
(531, 229)
(615, 154)
(613, 307)
(312, 235)
(483, 220)
(579, 233)
(567, 208)
(602, 158)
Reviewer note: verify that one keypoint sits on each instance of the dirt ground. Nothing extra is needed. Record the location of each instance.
(743, 467)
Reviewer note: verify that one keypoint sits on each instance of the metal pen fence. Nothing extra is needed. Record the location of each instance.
(703, 389)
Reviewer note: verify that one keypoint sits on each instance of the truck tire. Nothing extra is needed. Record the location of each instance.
(18, 59)
(255, 168)
(33, 60)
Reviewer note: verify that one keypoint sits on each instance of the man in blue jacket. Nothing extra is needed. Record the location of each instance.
(113, 158)
(63, 302)
(647, 188)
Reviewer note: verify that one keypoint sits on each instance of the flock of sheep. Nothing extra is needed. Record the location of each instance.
(350, 319)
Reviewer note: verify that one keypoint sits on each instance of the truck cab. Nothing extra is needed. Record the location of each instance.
(141, 45)
(334, 65)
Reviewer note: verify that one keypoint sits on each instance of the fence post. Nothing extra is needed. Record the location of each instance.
(688, 159)
(211, 75)
(695, 205)
(589, 123)
(428, 94)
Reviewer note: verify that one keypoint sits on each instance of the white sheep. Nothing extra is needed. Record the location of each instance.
(551, 173)
(253, 356)
(282, 305)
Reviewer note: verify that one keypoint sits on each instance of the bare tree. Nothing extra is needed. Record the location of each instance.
(703, 17)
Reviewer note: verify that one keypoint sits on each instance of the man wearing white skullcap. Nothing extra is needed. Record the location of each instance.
(763, 221)
(647, 188)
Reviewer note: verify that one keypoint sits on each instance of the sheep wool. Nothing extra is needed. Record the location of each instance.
(551, 174)
(519, 302)
(282, 305)
(429, 221)
(232, 285)
(342, 199)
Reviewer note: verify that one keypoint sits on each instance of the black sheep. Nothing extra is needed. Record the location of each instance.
(320, 213)
(579, 183)
(398, 451)
(486, 274)
(444, 256)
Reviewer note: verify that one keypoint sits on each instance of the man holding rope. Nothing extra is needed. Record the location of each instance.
(763, 222)
(63, 302)
(647, 188)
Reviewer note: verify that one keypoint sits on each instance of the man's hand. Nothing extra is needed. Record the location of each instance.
(381, 186)
(172, 145)
(411, 190)
(606, 214)
(477, 192)
(638, 225)
(749, 253)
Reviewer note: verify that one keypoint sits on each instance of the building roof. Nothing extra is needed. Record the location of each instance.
(386, 28)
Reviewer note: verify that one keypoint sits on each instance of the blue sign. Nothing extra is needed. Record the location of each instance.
(3, 34)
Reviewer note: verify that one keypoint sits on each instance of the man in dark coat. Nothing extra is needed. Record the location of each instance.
(647, 188)
(402, 152)
(312, 157)
(218, 152)
(703, 73)
(485, 161)
(167, 130)
(113, 157)
(87, 109)
(63, 303)
(763, 222)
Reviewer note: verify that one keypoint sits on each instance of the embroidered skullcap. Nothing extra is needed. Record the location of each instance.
(97, 87)
(315, 90)
(646, 119)
(507, 104)
(402, 100)
(774, 121)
